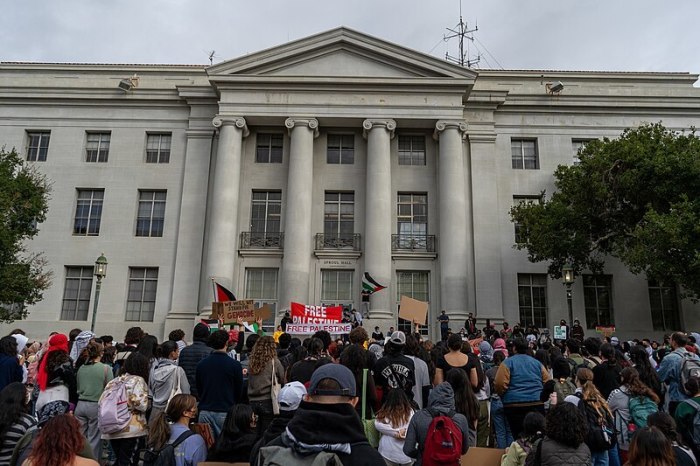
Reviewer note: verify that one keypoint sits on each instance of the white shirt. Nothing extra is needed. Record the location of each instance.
(391, 447)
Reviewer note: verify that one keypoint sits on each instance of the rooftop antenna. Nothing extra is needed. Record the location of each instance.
(212, 54)
(462, 32)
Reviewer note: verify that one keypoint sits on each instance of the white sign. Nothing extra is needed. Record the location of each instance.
(560, 332)
(309, 329)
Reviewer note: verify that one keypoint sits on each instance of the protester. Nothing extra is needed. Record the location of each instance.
(560, 386)
(533, 430)
(58, 444)
(178, 336)
(166, 379)
(465, 402)
(665, 423)
(519, 383)
(685, 415)
(499, 422)
(563, 443)
(55, 376)
(265, 371)
(148, 346)
(238, 435)
(14, 418)
(606, 375)
(670, 370)
(131, 340)
(647, 373)
(127, 442)
(219, 380)
(377, 335)
(10, 368)
(93, 377)
(80, 343)
(356, 359)
(455, 359)
(423, 384)
(193, 354)
(441, 402)
(395, 370)
(330, 402)
(173, 426)
(301, 371)
(392, 423)
(650, 447)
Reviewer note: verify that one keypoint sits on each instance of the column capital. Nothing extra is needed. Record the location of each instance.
(442, 125)
(371, 123)
(311, 123)
(220, 121)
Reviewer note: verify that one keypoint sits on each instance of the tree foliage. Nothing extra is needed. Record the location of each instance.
(24, 194)
(636, 198)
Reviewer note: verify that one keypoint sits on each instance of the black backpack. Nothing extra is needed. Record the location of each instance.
(166, 455)
(601, 431)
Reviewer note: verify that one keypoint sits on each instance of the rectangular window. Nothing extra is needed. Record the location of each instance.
(341, 149)
(336, 286)
(411, 150)
(268, 148)
(88, 212)
(532, 299)
(158, 148)
(38, 145)
(97, 148)
(261, 286)
(76, 293)
(524, 154)
(339, 215)
(597, 297)
(520, 230)
(141, 301)
(576, 146)
(663, 301)
(412, 220)
(151, 213)
(266, 212)
(414, 284)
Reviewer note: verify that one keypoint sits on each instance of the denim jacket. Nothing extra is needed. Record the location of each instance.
(670, 373)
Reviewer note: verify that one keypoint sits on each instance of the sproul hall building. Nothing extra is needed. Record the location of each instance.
(288, 173)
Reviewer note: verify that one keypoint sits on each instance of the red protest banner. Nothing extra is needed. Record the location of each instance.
(306, 314)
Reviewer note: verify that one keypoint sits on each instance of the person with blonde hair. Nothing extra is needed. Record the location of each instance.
(264, 370)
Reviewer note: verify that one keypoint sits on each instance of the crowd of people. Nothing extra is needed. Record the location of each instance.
(358, 399)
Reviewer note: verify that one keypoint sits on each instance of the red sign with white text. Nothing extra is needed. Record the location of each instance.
(307, 314)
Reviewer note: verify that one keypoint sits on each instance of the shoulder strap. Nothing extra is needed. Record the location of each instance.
(693, 403)
(183, 436)
(364, 393)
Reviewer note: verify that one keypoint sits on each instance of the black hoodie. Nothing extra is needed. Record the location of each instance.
(334, 428)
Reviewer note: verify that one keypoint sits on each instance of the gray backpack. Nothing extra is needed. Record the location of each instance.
(695, 432)
(284, 456)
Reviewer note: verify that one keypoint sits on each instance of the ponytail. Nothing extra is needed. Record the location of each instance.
(159, 431)
(165, 348)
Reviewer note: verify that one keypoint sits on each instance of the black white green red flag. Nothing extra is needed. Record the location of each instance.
(369, 285)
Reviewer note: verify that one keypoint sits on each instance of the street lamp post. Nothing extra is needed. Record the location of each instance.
(100, 273)
(567, 277)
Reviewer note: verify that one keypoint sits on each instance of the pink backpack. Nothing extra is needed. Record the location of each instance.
(113, 414)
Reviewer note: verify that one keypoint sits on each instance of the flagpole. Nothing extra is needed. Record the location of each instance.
(213, 288)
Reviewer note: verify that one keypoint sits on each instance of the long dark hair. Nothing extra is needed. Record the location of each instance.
(355, 359)
(396, 409)
(13, 403)
(159, 430)
(166, 348)
(647, 374)
(137, 364)
(148, 347)
(630, 378)
(650, 447)
(465, 401)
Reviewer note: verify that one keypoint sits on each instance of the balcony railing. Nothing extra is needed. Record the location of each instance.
(255, 240)
(338, 241)
(418, 243)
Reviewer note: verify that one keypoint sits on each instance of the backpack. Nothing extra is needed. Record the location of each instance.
(575, 366)
(695, 433)
(600, 430)
(690, 367)
(166, 455)
(563, 388)
(640, 408)
(284, 456)
(443, 444)
(113, 414)
(534, 456)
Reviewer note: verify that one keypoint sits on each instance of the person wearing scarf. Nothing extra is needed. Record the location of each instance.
(55, 377)
(80, 343)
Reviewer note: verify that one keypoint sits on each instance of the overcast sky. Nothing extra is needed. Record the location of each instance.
(628, 35)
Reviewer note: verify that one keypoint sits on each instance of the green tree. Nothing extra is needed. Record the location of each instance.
(636, 198)
(24, 194)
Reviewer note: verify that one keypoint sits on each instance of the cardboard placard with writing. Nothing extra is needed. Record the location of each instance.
(413, 310)
(230, 311)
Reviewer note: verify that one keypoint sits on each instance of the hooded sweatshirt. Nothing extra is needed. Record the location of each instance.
(346, 438)
(21, 344)
(442, 400)
(500, 345)
(164, 379)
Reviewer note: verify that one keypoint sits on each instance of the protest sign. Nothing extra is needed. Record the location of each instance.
(230, 311)
(413, 310)
(560, 332)
(607, 331)
(307, 314)
(309, 329)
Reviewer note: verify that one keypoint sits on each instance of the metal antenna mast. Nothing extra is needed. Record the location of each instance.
(462, 32)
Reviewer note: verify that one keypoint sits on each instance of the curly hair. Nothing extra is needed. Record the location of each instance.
(263, 352)
(565, 424)
(58, 442)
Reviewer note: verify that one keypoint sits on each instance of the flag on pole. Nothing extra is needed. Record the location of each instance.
(222, 294)
(370, 286)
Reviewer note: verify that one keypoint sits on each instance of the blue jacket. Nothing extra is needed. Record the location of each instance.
(520, 379)
(670, 372)
(219, 382)
(10, 370)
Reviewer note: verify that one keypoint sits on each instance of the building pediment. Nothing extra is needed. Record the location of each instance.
(344, 53)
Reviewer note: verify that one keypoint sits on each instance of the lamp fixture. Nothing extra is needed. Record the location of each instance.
(129, 83)
(554, 88)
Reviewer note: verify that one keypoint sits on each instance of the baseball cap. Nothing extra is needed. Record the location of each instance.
(291, 395)
(337, 372)
(398, 338)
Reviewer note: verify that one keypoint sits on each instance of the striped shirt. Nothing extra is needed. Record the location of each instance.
(23, 425)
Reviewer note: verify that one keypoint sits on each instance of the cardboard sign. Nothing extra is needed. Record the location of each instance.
(606, 331)
(310, 329)
(560, 332)
(230, 311)
(413, 310)
(307, 314)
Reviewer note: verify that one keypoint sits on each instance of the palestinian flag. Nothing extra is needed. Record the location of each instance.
(370, 286)
(223, 294)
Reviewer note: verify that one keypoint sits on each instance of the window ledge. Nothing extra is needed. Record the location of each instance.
(260, 252)
(413, 255)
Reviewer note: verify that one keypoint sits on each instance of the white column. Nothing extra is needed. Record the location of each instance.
(453, 219)
(223, 218)
(378, 213)
(296, 263)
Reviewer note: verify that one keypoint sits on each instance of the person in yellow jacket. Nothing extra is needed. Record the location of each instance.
(278, 332)
(533, 430)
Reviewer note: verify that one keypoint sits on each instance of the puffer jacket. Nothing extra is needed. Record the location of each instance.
(557, 454)
(188, 360)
